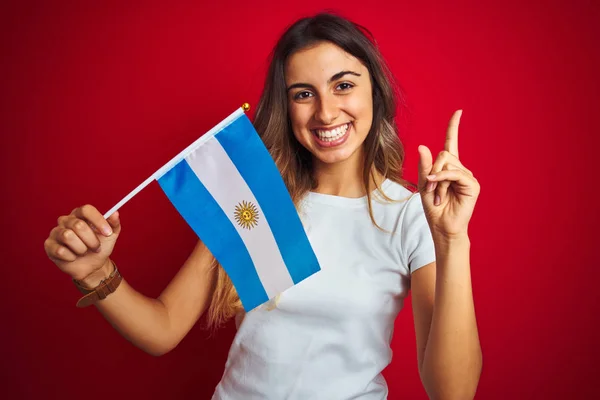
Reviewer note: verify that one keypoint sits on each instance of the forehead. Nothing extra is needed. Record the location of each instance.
(317, 63)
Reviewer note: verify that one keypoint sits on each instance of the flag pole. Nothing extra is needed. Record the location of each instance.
(245, 107)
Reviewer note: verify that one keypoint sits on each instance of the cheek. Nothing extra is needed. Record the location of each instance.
(362, 108)
(362, 104)
(296, 121)
(299, 116)
(292, 113)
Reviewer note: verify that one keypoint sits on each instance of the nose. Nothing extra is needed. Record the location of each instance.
(327, 110)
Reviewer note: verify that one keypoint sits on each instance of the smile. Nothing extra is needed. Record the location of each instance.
(332, 137)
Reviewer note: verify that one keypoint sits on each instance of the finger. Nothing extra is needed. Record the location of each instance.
(56, 251)
(438, 166)
(451, 145)
(69, 239)
(465, 184)
(92, 215)
(84, 233)
(62, 219)
(114, 221)
(444, 158)
(442, 188)
(425, 164)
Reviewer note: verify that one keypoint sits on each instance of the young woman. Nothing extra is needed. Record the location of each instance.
(327, 117)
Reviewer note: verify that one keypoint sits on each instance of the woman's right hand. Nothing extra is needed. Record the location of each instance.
(81, 243)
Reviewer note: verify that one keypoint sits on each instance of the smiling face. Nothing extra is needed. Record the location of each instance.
(330, 102)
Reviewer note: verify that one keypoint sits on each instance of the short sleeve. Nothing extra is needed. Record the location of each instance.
(417, 242)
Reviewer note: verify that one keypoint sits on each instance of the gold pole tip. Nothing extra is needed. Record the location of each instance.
(245, 107)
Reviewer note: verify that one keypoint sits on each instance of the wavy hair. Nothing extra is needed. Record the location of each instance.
(383, 153)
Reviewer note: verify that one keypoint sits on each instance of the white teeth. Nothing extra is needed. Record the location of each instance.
(333, 134)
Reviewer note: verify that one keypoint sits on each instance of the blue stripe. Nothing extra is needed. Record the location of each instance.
(207, 219)
(254, 163)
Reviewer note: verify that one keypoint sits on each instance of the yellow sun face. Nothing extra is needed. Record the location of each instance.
(246, 215)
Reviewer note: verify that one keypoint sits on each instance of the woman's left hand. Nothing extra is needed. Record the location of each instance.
(449, 191)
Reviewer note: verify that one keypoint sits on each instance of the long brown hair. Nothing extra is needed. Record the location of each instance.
(383, 153)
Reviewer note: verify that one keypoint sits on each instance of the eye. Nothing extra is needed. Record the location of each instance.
(344, 86)
(302, 95)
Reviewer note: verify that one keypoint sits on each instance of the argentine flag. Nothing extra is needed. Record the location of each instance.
(228, 189)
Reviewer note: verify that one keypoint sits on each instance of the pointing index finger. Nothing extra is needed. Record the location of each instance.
(451, 145)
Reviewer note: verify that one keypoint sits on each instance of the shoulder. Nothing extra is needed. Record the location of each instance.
(397, 210)
(397, 200)
(395, 190)
(405, 211)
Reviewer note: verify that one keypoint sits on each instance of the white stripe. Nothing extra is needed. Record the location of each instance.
(219, 175)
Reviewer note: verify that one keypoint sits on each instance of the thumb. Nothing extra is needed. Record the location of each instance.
(115, 222)
(425, 165)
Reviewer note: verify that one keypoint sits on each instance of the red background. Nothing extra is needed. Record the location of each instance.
(96, 97)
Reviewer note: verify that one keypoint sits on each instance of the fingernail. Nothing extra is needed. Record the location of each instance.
(430, 176)
(437, 200)
(107, 231)
(97, 250)
(429, 187)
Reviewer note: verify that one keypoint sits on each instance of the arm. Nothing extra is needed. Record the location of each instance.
(448, 349)
(81, 244)
(158, 325)
(449, 352)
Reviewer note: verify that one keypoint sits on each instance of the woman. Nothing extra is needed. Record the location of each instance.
(327, 117)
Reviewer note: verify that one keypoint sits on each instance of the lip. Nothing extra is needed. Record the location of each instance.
(333, 143)
(328, 128)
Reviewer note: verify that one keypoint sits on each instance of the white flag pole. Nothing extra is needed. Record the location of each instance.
(175, 160)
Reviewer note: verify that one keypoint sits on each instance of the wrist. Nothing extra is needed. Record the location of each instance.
(443, 240)
(95, 278)
(100, 285)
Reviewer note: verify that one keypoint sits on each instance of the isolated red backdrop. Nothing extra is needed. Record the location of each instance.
(96, 97)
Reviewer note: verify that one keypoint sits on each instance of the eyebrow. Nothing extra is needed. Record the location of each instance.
(335, 77)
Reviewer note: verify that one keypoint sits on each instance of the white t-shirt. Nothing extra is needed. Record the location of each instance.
(328, 337)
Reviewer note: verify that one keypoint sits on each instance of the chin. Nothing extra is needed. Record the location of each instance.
(332, 158)
(337, 156)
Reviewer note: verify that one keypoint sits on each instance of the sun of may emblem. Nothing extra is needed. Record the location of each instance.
(246, 215)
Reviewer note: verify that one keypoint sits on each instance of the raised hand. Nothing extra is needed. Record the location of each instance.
(449, 191)
(82, 242)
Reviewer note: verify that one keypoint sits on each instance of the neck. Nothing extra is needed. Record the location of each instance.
(344, 179)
